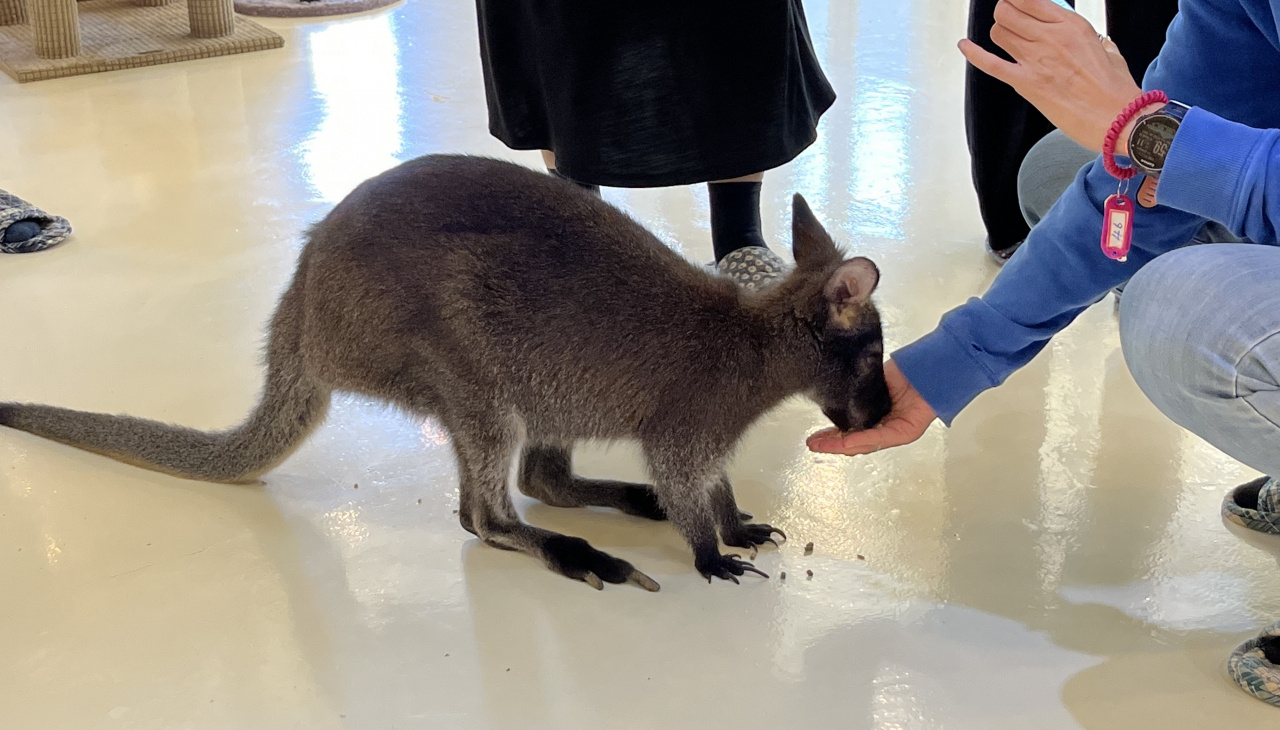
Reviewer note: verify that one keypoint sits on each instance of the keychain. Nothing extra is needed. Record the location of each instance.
(1117, 212)
(1117, 223)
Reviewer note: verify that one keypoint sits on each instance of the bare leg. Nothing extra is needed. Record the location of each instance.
(546, 474)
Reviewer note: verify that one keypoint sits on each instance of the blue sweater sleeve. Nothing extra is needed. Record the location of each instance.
(1221, 55)
(1225, 172)
(1056, 274)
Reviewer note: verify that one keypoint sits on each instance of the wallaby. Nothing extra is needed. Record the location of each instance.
(525, 313)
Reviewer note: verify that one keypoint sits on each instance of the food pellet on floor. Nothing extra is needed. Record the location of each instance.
(808, 549)
(809, 573)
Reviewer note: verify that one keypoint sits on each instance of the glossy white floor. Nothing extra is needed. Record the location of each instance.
(1055, 560)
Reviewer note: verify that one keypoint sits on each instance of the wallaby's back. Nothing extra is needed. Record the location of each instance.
(515, 288)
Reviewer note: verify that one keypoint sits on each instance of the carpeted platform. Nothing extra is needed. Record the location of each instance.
(119, 34)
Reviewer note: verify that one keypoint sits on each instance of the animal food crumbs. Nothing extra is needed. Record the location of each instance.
(861, 556)
(356, 486)
(419, 501)
(783, 576)
(455, 511)
(809, 573)
(808, 549)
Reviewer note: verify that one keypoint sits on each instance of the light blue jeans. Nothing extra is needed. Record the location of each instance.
(1199, 326)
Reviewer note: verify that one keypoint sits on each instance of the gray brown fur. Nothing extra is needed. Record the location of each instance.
(524, 313)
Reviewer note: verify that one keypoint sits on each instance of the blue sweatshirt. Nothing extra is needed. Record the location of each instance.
(1221, 57)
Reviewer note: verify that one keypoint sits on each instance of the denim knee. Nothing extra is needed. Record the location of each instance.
(1047, 171)
(1163, 332)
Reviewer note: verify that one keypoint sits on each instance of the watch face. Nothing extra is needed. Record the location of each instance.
(1150, 142)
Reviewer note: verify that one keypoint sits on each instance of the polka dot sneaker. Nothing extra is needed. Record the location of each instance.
(752, 267)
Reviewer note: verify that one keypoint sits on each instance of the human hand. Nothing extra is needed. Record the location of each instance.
(1079, 81)
(908, 420)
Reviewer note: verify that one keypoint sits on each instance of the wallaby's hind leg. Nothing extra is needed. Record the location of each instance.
(546, 474)
(687, 494)
(484, 461)
(735, 529)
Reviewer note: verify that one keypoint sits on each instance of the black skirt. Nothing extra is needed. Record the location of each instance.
(647, 93)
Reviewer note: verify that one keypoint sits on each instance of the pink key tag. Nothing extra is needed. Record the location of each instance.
(1117, 227)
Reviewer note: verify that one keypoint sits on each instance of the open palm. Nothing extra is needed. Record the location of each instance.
(908, 420)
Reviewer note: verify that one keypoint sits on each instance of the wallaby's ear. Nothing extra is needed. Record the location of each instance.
(849, 287)
(810, 244)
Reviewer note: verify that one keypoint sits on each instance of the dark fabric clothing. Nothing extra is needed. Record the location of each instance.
(1001, 126)
(735, 216)
(648, 93)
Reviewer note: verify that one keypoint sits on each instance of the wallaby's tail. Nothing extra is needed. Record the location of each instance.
(292, 405)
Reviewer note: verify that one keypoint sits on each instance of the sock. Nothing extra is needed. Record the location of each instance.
(735, 216)
(593, 189)
(1270, 647)
(20, 231)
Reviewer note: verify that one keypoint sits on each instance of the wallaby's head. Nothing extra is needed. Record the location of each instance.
(831, 296)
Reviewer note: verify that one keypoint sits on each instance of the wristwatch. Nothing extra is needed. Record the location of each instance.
(1152, 136)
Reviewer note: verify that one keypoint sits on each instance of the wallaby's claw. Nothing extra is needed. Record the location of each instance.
(644, 581)
(745, 516)
(751, 535)
(725, 567)
(575, 558)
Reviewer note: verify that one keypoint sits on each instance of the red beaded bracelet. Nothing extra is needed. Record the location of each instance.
(1113, 134)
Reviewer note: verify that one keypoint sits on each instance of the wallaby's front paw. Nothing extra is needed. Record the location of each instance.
(575, 558)
(749, 536)
(726, 567)
(641, 501)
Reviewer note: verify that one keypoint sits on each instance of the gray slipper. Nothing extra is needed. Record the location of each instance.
(752, 267)
(17, 232)
(1255, 665)
(1255, 505)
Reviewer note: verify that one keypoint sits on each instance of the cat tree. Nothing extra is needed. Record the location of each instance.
(42, 39)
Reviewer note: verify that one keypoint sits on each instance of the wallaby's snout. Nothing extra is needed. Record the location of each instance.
(864, 401)
(875, 402)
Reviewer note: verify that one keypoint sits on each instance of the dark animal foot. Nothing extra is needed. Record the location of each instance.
(749, 536)
(464, 517)
(726, 567)
(575, 558)
(641, 501)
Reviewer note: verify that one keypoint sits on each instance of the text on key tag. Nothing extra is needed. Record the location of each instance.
(1117, 227)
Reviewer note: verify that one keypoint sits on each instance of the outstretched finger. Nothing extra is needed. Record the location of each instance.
(989, 63)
